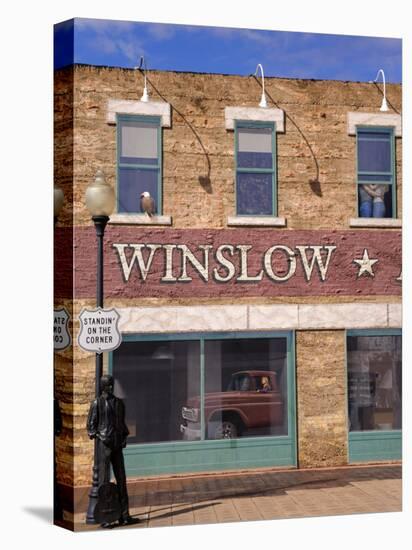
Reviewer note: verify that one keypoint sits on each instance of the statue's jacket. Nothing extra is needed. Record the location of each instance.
(106, 421)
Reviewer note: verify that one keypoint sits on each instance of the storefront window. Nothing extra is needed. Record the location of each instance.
(245, 388)
(203, 389)
(374, 382)
(156, 379)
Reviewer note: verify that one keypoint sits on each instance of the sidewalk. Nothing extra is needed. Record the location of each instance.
(258, 495)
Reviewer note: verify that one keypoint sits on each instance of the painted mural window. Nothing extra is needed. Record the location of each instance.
(255, 169)
(374, 382)
(375, 172)
(188, 390)
(245, 388)
(138, 162)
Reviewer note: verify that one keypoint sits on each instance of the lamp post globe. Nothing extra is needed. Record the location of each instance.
(100, 196)
(58, 201)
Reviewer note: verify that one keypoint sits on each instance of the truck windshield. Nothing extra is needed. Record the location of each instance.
(240, 382)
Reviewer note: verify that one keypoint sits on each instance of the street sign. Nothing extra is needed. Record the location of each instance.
(99, 330)
(61, 335)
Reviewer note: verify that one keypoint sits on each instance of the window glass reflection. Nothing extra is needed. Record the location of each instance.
(156, 380)
(132, 183)
(374, 382)
(254, 194)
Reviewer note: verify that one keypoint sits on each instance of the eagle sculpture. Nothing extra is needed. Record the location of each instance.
(147, 203)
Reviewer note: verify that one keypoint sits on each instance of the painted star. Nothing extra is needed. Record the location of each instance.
(365, 264)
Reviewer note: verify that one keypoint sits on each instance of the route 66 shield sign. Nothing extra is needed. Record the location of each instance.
(99, 330)
(61, 334)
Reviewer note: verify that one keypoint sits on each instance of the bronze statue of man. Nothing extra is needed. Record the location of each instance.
(106, 423)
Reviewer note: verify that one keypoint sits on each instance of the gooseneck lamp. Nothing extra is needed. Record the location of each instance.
(263, 102)
(384, 106)
(145, 96)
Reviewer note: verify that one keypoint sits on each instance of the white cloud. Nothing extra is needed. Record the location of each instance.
(112, 37)
(160, 31)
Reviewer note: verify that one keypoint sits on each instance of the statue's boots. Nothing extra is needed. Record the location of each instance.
(128, 520)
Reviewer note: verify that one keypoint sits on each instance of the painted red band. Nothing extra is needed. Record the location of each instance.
(341, 275)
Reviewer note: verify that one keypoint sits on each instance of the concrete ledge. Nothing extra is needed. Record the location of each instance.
(394, 315)
(263, 221)
(375, 222)
(343, 316)
(283, 316)
(374, 119)
(254, 113)
(147, 319)
(128, 107)
(212, 318)
(139, 219)
(183, 319)
(224, 318)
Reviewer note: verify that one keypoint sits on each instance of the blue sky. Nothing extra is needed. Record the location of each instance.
(227, 50)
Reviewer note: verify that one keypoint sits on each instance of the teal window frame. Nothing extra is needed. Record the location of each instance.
(371, 445)
(273, 170)
(209, 454)
(159, 166)
(392, 173)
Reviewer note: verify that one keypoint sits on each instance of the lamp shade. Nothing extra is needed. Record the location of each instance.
(263, 103)
(100, 196)
(384, 106)
(58, 201)
(145, 96)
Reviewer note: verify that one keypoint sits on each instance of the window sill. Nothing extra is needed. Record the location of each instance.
(256, 221)
(139, 219)
(375, 222)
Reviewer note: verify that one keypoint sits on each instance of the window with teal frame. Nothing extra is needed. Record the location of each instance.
(255, 147)
(376, 172)
(139, 162)
(374, 389)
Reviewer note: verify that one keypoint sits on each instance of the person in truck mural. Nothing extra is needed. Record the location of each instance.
(251, 405)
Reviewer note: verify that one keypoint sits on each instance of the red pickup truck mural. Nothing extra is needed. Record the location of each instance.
(251, 403)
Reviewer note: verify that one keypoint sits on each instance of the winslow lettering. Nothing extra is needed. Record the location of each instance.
(230, 262)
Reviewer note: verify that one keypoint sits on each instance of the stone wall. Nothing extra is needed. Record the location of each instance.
(63, 269)
(316, 156)
(321, 398)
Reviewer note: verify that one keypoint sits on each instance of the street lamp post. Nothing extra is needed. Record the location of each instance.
(100, 203)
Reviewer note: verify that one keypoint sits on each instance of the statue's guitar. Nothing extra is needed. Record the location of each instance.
(108, 508)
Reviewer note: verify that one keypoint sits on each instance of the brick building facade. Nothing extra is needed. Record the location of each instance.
(290, 279)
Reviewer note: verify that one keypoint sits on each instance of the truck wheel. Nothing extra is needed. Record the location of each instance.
(226, 430)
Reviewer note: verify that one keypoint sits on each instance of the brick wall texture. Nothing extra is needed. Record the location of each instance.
(316, 163)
